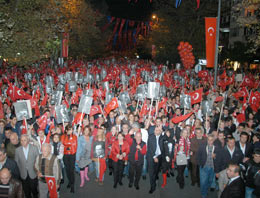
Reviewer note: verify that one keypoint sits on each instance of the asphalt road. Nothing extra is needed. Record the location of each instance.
(91, 189)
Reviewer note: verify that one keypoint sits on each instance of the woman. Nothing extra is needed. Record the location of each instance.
(83, 154)
(167, 156)
(119, 155)
(69, 140)
(98, 155)
(182, 156)
(110, 139)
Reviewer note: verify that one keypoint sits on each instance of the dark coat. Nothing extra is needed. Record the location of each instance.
(12, 167)
(194, 147)
(15, 189)
(234, 190)
(151, 147)
(248, 151)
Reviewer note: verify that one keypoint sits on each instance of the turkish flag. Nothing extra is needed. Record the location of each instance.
(247, 82)
(241, 93)
(50, 180)
(42, 121)
(102, 168)
(78, 118)
(15, 93)
(219, 99)
(162, 104)
(99, 93)
(178, 119)
(44, 101)
(34, 105)
(211, 29)
(2, 115)
(113, 104)
(95, 109)
(254, 101)
(24, 127)
(144, 109)
(241, 118)
(203, 74)
(196, 96)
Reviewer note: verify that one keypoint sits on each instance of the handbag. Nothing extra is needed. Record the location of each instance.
(181, 159)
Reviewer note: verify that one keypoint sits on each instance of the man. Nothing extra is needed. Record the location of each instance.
(220, 141)
(252, 171)
(194, 147)
(15, 126)
(9, 187)
(244, 146)
(135, 157)
(111, 119)
(8, 163)
(154, 151)
(12, 145)
(206, 159)
(239, 130)
(47, 164)
(235, 187)
(230, 154)
(25, 157)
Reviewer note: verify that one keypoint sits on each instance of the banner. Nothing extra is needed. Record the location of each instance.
(65, 44)
(210, 28)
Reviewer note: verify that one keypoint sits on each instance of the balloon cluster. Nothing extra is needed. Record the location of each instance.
(187, 57)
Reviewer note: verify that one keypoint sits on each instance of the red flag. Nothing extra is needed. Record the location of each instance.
(78, 118)
(144, 109)
(2, 115)
(162, 104)
(65, 44)
(219, 99)
(15, 93)
(254, 101)
(241, 93)
(178, 119)
(102, 168)
(24, 127)
(50, 180)
(196, 96)
(34, 105)
(203, 74)
(247, 82)
(241, 117)
(42, 121)
(95, 109)
(113, 104)
(210, 28)
(44, 101)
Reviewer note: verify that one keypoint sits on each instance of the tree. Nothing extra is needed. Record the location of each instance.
(31, 29)
(185, 23)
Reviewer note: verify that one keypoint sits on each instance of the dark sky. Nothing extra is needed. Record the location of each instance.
(140, 10)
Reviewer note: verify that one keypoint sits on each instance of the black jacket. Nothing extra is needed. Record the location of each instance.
(12, 167)
(151, 147)
(234, 190)
(248, 151)
(225, 158)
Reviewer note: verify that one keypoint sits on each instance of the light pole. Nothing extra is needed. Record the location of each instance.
(217, 41)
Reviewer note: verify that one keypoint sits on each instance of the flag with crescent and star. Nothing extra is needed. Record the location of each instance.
(196, 96)
(50, 180)
(210, 28)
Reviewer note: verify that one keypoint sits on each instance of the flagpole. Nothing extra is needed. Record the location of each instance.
(217, 41)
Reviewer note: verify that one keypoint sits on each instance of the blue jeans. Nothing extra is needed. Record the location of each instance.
(206, 178)
(126, 169)
(144, 171)
(249, 192)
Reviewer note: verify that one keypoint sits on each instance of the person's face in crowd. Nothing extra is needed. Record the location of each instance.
(24, 141)
(8, 110)
(184, 133)
(74, 113)
(215, 133)
(178, 112)
(136, 118)
(118, 121)
(41, 133)
(120, 137)
(113, 130)
(56, 138)
(14, 139)
(2, 156)
(222, 125)
(255, 139)
(69, 131)
(168, 133)
(133, 103)
(221, 136)
(177, 99)
(48, 114)
(158, 123)
(231, 172)
(157, 131)
(91, 119)
(250, 123)
(164, 120)
(210, 141)
(101, 121)
(8, 133)
(240, 129)
(138, 137)
(111, 114)
(171, 125)
(100, 132)
(125, 128)
(148, 102)
(131, 118)
(225, 112)
(197, 123)
(85, 121)
(196, 107)
(5, 177)
(14, 121)
(251, 116)
(188, 128)
(231, 144)
(46, 151)
(243, 139)
(199, 134)
(173, 101)
(86, 131)
(256, 158)
(2, 126)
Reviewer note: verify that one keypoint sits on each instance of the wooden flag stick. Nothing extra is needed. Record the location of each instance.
(151, 105)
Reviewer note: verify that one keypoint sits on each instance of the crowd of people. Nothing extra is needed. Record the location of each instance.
(159, 138)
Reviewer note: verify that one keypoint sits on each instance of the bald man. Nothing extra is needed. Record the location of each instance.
(9, 187)
(12, 145)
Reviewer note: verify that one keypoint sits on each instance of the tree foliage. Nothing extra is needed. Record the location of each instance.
(31, 29)
(185, 23)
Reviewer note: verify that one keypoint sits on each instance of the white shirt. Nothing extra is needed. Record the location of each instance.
(144, 135)
(231, 152)
(158, 150)
(232, 179)
(26, 151)
(243, 149)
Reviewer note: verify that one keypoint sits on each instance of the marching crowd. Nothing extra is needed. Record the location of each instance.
(155, 138)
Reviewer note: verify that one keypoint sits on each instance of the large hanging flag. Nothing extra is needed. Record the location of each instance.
(210, 28)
